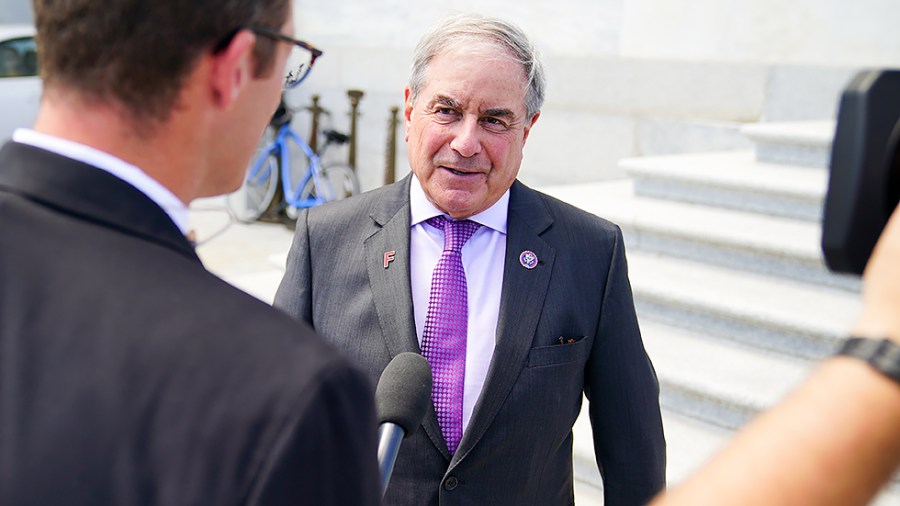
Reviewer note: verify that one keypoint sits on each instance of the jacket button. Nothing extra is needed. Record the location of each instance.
(450, 483)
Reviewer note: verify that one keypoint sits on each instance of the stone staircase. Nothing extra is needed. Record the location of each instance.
(734, 299)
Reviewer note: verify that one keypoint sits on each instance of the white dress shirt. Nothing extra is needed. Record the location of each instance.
(123, 170)
(482, 258)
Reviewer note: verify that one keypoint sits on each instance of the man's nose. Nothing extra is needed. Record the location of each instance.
(466, 139)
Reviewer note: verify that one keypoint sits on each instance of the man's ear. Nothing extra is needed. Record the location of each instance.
(232, 69)
(407, 110)
(529, 125)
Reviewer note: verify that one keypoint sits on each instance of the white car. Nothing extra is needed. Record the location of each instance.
(20, 84)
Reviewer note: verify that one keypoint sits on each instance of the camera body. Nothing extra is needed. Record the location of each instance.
(864, 182)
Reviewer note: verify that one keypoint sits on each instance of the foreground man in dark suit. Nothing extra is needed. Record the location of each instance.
(549, 308)
(128, 373)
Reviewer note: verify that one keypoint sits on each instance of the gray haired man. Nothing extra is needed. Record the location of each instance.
(520, 302)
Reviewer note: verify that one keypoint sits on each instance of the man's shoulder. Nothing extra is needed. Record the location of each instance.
(197, 320)
(566, 215)
(229, 333)
(241, 316)
(384, 200)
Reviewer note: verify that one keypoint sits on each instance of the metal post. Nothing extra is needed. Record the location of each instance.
(314, 128)
(354, 95)
(390, 165)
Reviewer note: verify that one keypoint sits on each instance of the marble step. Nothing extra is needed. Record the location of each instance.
(777, 315)
(708, 390)
(768, 245)
(719, 382)
(689, 444)
(732, 180)
(725, 385)
(803, 143)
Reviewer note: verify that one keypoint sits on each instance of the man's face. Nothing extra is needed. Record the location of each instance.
(467, 129)
(256, 107)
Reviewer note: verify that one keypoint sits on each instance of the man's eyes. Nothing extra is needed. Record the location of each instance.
(489, 122)
(494, 123)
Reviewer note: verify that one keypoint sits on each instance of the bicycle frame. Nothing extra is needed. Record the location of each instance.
(291, 192)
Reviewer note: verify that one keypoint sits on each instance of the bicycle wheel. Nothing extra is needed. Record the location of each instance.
(257, 193)
(343, 181)
(337, 183)
(310, 194)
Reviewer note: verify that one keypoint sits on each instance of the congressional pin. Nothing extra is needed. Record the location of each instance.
(528, 259)
(388, 258)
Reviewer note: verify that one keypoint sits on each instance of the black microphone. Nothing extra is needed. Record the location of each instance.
(401, 399)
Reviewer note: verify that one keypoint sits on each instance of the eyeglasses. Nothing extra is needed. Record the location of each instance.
(300, 60)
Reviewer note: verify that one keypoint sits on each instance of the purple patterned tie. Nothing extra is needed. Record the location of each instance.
(446, 324)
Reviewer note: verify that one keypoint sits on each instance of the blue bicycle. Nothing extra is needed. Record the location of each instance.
(281, 161)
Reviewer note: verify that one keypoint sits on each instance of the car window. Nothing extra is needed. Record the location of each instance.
(18, 58)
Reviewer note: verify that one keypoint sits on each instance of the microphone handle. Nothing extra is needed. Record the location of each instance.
(389, 437)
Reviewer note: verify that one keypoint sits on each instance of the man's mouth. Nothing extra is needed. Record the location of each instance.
(459, 172)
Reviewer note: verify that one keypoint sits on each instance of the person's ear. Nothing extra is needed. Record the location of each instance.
(232, 69)
(529, 125)
(407, 110)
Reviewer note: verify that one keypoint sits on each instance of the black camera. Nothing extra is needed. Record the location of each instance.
(864, 182)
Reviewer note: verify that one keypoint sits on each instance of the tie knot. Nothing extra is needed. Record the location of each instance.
(456, 232)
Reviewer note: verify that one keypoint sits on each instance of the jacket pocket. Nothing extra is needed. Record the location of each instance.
(571, 350)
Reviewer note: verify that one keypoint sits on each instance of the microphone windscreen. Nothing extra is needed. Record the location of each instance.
(404, 391)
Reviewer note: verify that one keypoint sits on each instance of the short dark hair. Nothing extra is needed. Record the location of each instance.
(139, 52)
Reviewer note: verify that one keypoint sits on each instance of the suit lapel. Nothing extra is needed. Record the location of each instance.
(389, 279)
(88, 192)
(522, 298)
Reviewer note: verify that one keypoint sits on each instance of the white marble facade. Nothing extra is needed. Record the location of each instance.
(626, 77)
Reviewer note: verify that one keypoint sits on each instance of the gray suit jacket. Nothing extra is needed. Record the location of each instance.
(517, 448)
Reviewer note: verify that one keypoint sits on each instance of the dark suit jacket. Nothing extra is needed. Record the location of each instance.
(517, 448)
(129, 375)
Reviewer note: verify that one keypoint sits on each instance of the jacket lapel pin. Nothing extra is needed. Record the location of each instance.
(528, 259)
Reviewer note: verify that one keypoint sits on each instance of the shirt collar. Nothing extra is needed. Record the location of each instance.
(422, 209)
(123, 170)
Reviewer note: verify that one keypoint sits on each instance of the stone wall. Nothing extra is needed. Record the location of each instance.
(801, 32)
(626, 77)
(598, 109)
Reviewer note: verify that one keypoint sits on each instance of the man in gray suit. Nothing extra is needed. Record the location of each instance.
(520, 302)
